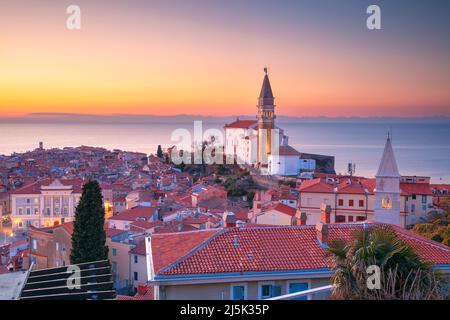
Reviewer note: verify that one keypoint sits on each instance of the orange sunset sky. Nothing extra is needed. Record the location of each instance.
(207, 57)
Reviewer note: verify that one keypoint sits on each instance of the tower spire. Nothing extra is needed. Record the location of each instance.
(388, 165)
(266, 95)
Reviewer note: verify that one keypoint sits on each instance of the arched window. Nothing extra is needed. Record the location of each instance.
(386, 203)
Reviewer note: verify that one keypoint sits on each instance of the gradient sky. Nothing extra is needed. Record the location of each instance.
(207, 57)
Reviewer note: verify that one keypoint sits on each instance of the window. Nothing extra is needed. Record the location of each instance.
(350, 218)
(57, 246)
(341, 202)
(20, 211)
(386, 203)
(340, 219)
(63, 247)
(413, 209)
(238, 292)
(361, 203)
(360, 218)
(136, 276)
(269, 290)
(136, 259)
(351, 203)
(424, 199)
(28, 211)
(114, 252)
(414, 197)
(57, 263)
(34, 244)
(298, 287)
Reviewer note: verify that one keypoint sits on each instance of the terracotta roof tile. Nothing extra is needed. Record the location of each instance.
(241, 124)
(265, 249)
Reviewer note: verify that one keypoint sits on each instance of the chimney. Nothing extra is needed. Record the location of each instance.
(322, 232)
(229, 219)
(303, 218)
(325, 213)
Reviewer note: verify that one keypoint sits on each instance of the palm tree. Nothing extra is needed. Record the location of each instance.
(403, 275)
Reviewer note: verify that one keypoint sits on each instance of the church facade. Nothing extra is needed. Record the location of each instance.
(261, 143)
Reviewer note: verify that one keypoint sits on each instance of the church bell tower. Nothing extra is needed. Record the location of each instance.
(387, 192)
(266, 120)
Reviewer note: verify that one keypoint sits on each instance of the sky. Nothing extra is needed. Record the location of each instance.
(168, 57)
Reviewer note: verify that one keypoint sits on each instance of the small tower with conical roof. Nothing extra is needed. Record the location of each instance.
(266, 118)
(387, 192)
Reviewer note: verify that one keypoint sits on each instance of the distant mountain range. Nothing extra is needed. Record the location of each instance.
(183, 118)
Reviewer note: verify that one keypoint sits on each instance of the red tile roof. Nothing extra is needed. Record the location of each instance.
(241, 124)
(287, 151)
(141, 225)
(169, 247)
(316, 185)
(113, 232)
(285, 209)
(68, 226)
(134, 213)
(264, 249)
(35, 187)
(147, 296)
(416, 188)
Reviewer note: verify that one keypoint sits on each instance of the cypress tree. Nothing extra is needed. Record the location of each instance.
(89, 237)
(159, 152)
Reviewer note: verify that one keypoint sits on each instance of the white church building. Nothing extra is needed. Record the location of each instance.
(262, 144)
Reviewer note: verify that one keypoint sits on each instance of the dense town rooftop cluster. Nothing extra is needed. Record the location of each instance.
(196, 227)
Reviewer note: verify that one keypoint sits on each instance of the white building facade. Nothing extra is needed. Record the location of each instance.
(260, 143)
(47, 203)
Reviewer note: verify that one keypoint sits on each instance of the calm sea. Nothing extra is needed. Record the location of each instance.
(421, 149)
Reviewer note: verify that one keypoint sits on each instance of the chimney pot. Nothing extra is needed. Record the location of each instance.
(303, 218)
(322, 232)
(325, 213)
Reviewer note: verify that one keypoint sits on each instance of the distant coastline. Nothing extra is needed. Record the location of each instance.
(184, 118)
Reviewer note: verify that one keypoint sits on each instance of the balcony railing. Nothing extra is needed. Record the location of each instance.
(309, 293)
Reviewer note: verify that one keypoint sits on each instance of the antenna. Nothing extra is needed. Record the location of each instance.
(351, 169)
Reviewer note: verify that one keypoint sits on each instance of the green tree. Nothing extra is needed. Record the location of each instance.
(159, 152)
(403, 275)
(89, 237)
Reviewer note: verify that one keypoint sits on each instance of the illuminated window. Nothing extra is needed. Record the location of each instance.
(386, 203)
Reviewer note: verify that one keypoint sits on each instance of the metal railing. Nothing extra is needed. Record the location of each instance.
(299, 294)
